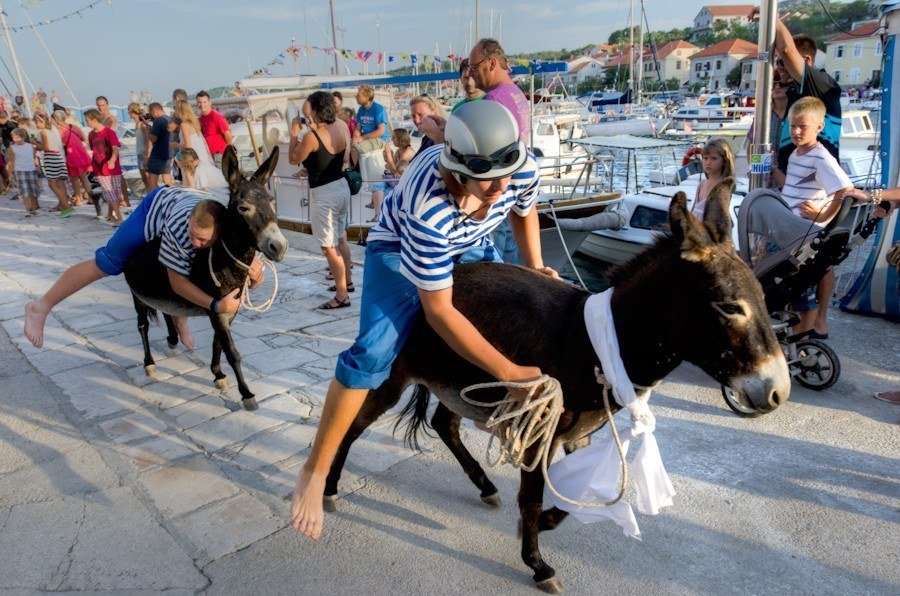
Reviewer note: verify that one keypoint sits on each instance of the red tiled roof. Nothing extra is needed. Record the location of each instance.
(729, 46)
(752, 56)
(670, 47)
(869, 29)
(732, 10)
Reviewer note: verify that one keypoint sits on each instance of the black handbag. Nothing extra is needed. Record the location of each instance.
(354, 181)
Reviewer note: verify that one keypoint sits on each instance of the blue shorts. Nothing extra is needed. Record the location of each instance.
(156, 165)
(390, 304)
(129, 237)
(384, 185)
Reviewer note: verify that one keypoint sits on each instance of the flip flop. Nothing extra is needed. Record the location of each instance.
(66, 213)
(350, 288)
(328, 306)
(816, 335)
(54, 209)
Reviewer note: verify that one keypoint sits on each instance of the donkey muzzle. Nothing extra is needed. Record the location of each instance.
(272, 242)
(767, 387)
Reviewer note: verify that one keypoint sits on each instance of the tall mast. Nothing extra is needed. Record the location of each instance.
(477, 32)
(631, 47)
(640, 68)
(333, 37)
(49, 55)
(15, 60)
(761, 147)
(383, 60)
(500, 27)
(306, 38)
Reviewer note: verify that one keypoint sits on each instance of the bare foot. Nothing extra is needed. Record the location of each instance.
(184, 332)
(306, 504)
(35, 315)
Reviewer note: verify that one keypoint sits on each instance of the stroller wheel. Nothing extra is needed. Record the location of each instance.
(817, 366)
(736, 406)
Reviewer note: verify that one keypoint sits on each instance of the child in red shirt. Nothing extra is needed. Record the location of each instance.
(107, 169)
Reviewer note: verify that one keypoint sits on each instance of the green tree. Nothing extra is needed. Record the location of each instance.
(733, 78)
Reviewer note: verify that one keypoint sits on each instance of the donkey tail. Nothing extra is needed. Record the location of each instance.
(414, 416)
(153, 314)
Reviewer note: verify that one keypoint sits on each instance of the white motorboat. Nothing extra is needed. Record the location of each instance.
(857, 131)
(713, 113)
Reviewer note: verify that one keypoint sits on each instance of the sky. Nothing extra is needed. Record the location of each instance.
(159, 45)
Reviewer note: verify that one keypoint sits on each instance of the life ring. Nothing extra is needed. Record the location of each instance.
(691, 155)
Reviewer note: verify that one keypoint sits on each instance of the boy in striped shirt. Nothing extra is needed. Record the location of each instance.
(813, 186)
(184, 220)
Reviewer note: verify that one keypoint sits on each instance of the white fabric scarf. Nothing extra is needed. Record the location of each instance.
(591, 474)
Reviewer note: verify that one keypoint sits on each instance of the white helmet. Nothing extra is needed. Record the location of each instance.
(481, 141)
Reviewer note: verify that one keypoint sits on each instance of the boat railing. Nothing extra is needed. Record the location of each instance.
(594, 174)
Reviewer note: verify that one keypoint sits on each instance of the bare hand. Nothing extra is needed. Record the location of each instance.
(256, 272)
(858, 194)
(522, 374)
(295, 127)
(111, 164)
(809, 210)
(230, 303)
(548, 271)
(433, 127)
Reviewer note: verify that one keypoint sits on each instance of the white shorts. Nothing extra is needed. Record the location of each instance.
(329, 210)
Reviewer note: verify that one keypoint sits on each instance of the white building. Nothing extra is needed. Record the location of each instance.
(674, 62)
(708, 16)
(581, 68)
(710, 66)
(855, 58)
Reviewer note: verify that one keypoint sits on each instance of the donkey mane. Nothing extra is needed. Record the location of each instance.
(642, 263)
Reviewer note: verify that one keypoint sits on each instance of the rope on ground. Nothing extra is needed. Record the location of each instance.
(518, 425)
(245, 290)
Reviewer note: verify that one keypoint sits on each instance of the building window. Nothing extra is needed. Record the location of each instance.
(854, 75)
(678, 65)
(878, 47)
(718, 65)
(697, 67)
(839, 52)
(876, 73)
(837, 76)
(857, 50)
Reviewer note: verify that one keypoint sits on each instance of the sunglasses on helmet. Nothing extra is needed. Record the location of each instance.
(482, 164)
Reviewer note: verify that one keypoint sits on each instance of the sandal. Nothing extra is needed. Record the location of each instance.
(340, 304)
(55, 209)
(350, 288)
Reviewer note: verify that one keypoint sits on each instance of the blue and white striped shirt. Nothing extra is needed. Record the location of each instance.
(168, 218)
(424, 218)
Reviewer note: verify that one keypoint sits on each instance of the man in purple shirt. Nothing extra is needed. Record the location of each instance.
(489, 67)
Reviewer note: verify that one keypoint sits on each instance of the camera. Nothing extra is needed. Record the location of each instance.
(146, 117)
(303, 120)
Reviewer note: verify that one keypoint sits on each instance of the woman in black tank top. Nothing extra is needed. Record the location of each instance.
(323, 153)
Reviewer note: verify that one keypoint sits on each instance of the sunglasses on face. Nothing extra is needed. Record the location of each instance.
(482, 164)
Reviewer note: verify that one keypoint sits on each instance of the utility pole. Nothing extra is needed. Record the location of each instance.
(15, 60)
(760, 149)
(333, 37)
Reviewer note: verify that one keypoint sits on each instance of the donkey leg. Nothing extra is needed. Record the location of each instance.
(215, 364)
(446, 424)
(172, 338)
(377, 403)
(221, 325)
(143, 329)
(554, 516)
(531, 495)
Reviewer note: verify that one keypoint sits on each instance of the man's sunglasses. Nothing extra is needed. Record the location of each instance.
(482, 164)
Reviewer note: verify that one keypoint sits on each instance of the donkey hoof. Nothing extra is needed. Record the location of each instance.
(551, 585)
(222, 383)
(492, 500)
(149, 369)
(250, 404)
(329, 503)
(171, 345)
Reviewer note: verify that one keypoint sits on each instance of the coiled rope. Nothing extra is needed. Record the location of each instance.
(517, 425)
(245, 290)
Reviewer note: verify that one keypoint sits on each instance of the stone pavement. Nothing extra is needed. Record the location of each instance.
(138, 482)
(113, 481)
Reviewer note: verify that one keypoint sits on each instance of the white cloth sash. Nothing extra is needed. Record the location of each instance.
(591, 474)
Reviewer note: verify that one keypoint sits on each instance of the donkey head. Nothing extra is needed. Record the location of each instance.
(694, 293)
(251, 208)
(731, 336)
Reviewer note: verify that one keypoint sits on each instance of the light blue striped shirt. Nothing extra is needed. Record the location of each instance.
(424, 218)
(168, 218)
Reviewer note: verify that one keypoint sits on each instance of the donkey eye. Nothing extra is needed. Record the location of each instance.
(730, 309)
(243, 208)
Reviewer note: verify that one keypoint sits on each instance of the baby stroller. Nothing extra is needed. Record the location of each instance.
(765, 225)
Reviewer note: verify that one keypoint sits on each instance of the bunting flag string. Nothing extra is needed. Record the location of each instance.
(414, 58)
(44, 22)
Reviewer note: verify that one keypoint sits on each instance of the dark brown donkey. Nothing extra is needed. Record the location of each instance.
(689, 297)
(250, 225)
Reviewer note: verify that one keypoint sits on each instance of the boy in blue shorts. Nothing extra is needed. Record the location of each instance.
(185, 220)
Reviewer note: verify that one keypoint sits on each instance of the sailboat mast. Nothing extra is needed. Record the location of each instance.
(306, 39)
(760, 150)
(631, 46)
(477, 32)
(49, 55)
(12, 52)
(640, 68)
(333, 37)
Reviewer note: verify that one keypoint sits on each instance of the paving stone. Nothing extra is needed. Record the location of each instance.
(55, 336)
(278, 359)
(166, 368)
(230, 525)
(192, 413)
(272, 384)
(376, 451)
(97, 391)
(75, 472)
(186, 486)
(157, 451)
(64, 358)
(232, 428)
(132, 426)
(275, 447)
(82, 322)
(121, 547)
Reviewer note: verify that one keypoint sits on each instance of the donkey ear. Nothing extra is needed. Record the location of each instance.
(230, 168)
(716, 216)
(265, 170)
(695, 242)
